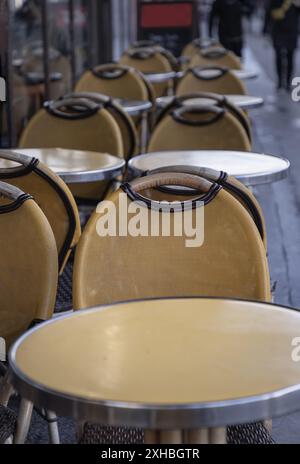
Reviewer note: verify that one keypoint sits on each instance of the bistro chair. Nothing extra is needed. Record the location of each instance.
(118, 81)
(28, 274)
(125, 122)
(210, 79)
(79, 124)
(199, 127)
(199, 44)
(58, 64)
(206, 98)
(242, 193)
(216, 57)
(150, 44)
(28, 265)
(7, 424)
(53, 197)
(123, 82)
(149, 60)
(231, 261)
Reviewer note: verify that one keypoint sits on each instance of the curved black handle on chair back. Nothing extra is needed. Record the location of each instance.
(209, 174)
(179, 113)
(13, 193)
(26, 164)
(202, 73)
(141, 53)
(178, 102)
(214, 53)
(72, 108)
(110, 71)
(154, 181)
(215, 97)
(220, 177)
(95, 97)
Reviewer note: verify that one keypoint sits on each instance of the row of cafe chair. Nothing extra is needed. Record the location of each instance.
(32, 68)
(120, 81)
(91, 121)
(232, 261)
(73, 123)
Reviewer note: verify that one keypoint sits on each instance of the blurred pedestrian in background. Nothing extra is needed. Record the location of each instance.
(230, 13)
(282, 20)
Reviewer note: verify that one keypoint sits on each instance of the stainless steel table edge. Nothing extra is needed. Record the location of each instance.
(159, 77)
(250, 180)
(92, 176)
(154, 416)
(246, 75)
(161, 104)
(134, 110)
(248, 106)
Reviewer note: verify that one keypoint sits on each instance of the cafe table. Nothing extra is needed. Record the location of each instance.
(73, 166)
(134, 107)
(182, 369)
(159, 77)
(246, 102)
(242, 74)
(248, 167)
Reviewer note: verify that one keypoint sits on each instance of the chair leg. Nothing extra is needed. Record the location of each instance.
(3, 368)
(9, 440)
(79, 430)
(268, 425)
(52, 427)
(23, 423)
(6, 390)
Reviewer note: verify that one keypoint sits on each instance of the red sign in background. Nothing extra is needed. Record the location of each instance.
(168, 15)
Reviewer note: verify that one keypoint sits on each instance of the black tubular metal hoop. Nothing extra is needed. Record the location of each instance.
(141, 53)
(214, 53)
(178, 114)
(206, 198)
(83, 108)
(110, 72)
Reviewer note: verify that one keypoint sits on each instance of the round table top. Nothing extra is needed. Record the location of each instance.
(242, 101)
(245, 74)
(242, 74)
(246, 102)
(134, 107)
(157, 77)
(250, 168)
(164, 363)
(73, 165)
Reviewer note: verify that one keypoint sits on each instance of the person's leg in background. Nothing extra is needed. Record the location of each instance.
(237, 48)
(279, 59)
(290, 54)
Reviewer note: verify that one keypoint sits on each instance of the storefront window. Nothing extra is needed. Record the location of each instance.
(37, 29)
